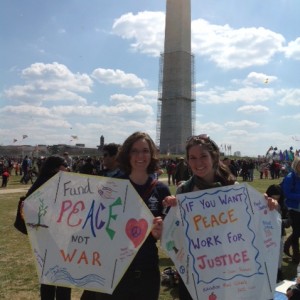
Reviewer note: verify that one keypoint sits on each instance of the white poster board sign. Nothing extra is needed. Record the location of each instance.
(85, 230)
(224, 243)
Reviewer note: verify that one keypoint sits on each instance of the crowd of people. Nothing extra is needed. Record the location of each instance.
(202, 168)
(176, 168)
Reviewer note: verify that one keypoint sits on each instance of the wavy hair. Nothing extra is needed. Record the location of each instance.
(124, 153)
(222, 172)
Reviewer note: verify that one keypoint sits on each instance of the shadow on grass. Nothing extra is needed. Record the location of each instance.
(289, 268)
(165, 262)
(172, 290)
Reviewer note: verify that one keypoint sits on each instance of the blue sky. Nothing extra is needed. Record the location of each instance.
(90, 68)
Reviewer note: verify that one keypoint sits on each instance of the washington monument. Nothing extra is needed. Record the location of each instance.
(175, 116)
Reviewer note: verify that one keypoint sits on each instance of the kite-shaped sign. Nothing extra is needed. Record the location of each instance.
(85, 230)
(225, 243)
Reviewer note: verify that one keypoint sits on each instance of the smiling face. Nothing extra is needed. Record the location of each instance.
(140, 155)
(201, 163)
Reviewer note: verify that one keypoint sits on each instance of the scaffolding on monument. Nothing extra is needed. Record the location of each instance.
(160, 96)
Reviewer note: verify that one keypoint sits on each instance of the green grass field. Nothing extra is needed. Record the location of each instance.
(18, 277)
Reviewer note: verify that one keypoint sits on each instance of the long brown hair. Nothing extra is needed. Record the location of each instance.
(124, 153)
(222, 172)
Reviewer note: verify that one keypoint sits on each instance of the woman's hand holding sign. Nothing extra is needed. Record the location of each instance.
(157, 228)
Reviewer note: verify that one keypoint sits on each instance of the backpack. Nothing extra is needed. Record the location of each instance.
(169, 277)
(293, 185)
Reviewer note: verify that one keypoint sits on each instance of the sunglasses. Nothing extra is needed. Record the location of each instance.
(203, 138)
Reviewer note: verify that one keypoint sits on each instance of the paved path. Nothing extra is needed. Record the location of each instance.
(11, 191)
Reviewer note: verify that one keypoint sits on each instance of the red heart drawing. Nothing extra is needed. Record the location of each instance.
(136, 230)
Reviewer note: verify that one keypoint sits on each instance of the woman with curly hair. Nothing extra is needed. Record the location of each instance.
(203, 157)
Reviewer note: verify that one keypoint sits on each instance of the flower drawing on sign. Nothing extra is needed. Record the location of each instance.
(41, 213)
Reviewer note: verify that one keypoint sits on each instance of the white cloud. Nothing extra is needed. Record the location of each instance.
(55, 75)
(145, 28)
(50, 123)
(233, 48)
(145, 97)
(293, 49)
(238, 133)
(33, 95)
(250, 109)
(122, 98)
(118, 77)
(259, 78)
(207, 127)
(246, 94)
(227, 47)
(200, 84)
(49, 82)
(291, 117)
(242, 123)
(122, 109)
(291, 97)
(27, 110)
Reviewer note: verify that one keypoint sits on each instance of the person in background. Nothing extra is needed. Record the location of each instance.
(260, 168)
(251, 167)
(230, 165)
(87, 167)
(203, 157)
(266, 171)
(5, 176)
(181, 172)
(16, 167)
(50, 167)
(110, 164)
(69, 161)
(274, 191)
(138, 160)
(171, 168)
(291, 190)
(158, 171)
(25, 168)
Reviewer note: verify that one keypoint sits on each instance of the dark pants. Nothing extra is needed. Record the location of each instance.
(295, 221)
(135, 285)
(51, 292)
(4, 181)
(183, 291)
(171, 177)
(25, 175)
